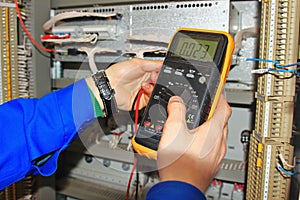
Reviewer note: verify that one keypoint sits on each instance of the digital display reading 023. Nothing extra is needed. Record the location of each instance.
(196, 49)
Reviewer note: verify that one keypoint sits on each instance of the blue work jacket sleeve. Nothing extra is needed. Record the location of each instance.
(35, 131)
(174, 190)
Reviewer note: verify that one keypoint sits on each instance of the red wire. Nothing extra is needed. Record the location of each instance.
(27, 32)
(130, 177)
(136, 118)
(117, 134)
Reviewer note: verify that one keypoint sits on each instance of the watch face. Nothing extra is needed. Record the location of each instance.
(105, 91)
(107, 94)
(103, 85)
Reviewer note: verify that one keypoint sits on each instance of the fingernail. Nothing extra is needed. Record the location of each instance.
(177, 99)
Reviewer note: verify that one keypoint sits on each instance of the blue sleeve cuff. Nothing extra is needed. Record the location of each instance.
(174, 190)
(75, 108)
(35, 131)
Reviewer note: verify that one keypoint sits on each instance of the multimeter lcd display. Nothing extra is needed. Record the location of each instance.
(196, 49)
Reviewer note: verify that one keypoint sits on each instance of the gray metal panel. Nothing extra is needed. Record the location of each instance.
(40, 78)
(244, 15)
(78, 3)
(81, 189)
(232, 170)
(143, 26)
(41, 63)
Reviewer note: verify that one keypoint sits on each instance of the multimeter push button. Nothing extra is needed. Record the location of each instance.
(202, 79)
(147, 123)
(190, 75)
(158, 127)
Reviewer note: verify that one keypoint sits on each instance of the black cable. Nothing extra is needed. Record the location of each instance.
(132, 113)
(137, 182)
(134, 102)
(136, 169)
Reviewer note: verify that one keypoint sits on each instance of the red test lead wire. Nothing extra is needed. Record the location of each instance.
(136, 118)
(28, 34)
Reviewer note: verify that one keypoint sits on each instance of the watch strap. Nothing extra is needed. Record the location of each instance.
(106, 92)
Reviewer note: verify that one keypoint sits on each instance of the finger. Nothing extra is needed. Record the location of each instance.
(152, 65)
(148, 65)
(222, 149)
(174, 141)
(176, 110)
(222, 112)
(226, 131)
(153, 77)
(215, 126)
(147, 88)
(215, 148)
(175, 121)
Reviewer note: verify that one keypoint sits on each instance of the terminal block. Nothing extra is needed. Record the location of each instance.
(274, 119)
(265, 178)
(279, 34)
(8, 53)
(279, 84)
(270, 152)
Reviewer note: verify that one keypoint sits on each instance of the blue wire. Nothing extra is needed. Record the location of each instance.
(289, 65)
(262, 60)
(286, 172)
(276, 62)
(282, 68)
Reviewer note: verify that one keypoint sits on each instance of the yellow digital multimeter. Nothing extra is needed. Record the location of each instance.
(195, 68)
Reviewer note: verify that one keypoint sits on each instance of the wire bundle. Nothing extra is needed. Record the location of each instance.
(285, 168)
(23, 72)
(278, 68)
(86, 38)
(27, 32)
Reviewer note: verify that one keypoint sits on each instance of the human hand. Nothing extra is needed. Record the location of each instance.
(127, 78)
(192, 156)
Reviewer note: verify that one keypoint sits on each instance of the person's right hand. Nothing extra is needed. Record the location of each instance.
(192, 156)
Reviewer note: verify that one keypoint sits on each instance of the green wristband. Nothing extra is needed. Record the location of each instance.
(97, 108)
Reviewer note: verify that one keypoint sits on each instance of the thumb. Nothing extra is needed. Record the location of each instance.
(173, 142)
(222, 112)
(175, 122)
(176, 111)
(215, 127)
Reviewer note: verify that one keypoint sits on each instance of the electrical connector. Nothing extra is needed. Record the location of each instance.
(73, 51)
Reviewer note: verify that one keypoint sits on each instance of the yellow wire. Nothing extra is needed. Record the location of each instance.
(8, 63)
(8, 73)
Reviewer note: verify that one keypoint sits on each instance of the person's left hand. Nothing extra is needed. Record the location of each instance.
(127, 78)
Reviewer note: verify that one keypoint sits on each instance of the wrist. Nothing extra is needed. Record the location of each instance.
(95, 96)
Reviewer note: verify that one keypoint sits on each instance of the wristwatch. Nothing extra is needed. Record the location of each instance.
(106, 92)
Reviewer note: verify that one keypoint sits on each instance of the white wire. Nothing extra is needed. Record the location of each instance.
(70, 15)
(284, 162)
(91, 53)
